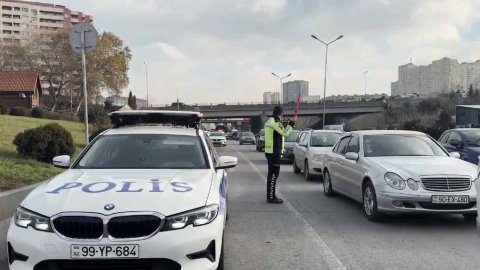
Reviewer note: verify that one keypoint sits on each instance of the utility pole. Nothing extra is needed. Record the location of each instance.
(146, 82)
(280, 91)
(365, 74)
(178, 103)
(325, 76)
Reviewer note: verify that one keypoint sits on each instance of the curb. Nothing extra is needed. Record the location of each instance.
(9, 200)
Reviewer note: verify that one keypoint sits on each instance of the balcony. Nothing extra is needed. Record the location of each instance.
(54, 25)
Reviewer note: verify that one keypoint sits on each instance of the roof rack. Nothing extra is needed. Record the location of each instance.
(175, 118)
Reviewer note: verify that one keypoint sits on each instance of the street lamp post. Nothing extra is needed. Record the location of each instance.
(146, 82)
(280, 91)
(325, 76)
(365, 74)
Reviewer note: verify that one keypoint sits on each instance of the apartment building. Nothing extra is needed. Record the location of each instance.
(19, 19)
(440, 77)
(293, 89)
(271, 97)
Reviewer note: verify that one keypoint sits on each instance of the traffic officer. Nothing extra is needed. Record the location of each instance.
(274, 137)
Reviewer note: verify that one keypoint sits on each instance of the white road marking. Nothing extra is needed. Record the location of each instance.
(330, 257)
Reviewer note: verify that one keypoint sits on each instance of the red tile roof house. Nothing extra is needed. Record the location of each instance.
(20, 89)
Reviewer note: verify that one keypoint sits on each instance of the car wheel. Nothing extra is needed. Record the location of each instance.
(308, 176)
(296, 169)
(241, 143)
(370, 206)
(327, 184)
(220, 260)
(470, 216)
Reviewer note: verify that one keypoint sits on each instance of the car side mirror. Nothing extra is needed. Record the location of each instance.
(226, 162)
(352, 156)
(455, 154)
(62, 161)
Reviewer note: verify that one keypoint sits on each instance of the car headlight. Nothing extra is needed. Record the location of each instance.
(412, 184)
(318, 157)
(25, 218)
(197, 217)
(394, 180)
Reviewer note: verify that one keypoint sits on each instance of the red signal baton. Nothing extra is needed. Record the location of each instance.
(295, 116)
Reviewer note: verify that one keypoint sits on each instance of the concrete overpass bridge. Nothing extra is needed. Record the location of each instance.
(335, 113)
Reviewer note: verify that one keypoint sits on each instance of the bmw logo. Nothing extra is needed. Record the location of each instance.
(109, 207)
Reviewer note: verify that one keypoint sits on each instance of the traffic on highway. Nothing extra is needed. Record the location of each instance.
(149, 193)
(239, 135)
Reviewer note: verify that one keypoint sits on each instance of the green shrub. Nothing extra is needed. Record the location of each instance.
(19, 111)
(96, 114)
(4, 109)
(37, 112)
(45, 142)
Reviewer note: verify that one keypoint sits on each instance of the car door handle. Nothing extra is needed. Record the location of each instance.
(341, 162)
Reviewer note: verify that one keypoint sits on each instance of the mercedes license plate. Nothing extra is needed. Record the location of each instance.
(103, 251)
(450, 199)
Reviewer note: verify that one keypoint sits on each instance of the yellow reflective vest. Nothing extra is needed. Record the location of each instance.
(270, 127)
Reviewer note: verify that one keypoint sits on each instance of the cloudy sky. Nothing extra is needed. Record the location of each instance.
(225, 50)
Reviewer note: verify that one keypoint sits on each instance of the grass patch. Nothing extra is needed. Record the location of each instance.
(16, 171)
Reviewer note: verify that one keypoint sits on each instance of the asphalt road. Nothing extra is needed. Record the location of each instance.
(337, 230)
(311, 231)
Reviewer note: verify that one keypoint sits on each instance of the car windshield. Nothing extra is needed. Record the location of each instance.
(247, 134)
(324, 139)
(262, 132)
(400, 145)
(472, 137)
(144, 151)
(293, 136)
(216, 134)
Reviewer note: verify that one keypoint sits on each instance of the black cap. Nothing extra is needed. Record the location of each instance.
(277, 111)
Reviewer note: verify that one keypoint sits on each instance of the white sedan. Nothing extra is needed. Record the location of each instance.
(138, 197)
(309, 151)
(400, 171)
(218, 138)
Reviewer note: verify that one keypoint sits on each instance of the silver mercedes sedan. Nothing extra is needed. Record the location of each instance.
(400, 171)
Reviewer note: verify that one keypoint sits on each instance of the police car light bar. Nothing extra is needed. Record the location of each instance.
(176, 118)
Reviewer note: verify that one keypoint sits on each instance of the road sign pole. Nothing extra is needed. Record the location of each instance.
(84, 67)
(83, 39)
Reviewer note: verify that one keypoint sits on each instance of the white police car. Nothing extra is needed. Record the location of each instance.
(140, 196)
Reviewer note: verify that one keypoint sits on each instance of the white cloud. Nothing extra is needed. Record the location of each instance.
(170, 51)
(268, 5)
(224, 51)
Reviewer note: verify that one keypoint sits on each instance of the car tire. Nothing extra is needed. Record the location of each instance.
(370, 207)
(221, 264)
(296, 169)
(308, 176)
(241, 143)
(470, 216)
(327, 185)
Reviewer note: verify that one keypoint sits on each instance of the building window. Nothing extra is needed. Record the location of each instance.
(7, 16)
(34, 11)
(16, 17)
(7, 24)
(25, 9)
(6, 8)
(16, 9)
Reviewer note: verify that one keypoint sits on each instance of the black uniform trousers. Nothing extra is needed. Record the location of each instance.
(273, 172)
